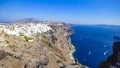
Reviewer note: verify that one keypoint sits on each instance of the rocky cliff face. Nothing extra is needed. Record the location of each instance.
(50, 49)
(113, 61)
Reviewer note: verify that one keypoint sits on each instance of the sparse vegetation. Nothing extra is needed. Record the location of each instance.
(21, 34)
(45, 41)
(7, 41)
(27, 38)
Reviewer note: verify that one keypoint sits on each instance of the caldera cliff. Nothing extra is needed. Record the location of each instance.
(36, 45)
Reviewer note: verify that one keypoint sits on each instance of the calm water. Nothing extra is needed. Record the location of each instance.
(93, 43)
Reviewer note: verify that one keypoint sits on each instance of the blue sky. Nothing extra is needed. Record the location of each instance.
(70, 11)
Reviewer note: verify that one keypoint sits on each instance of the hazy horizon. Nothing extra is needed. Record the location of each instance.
(69, 11)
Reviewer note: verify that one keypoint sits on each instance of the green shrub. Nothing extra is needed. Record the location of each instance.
(7, 41)
(27, 38)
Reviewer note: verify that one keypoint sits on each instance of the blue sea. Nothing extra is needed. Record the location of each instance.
(93, 43)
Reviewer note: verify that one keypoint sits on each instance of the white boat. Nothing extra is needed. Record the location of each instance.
(89, 52)
(105, 45)
(105, 53)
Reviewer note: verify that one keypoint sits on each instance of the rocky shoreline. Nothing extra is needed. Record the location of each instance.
(71, 55)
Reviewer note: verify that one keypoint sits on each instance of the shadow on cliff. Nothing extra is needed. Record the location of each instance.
(112, 61)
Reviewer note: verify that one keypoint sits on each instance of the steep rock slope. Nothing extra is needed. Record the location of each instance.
(49, 49)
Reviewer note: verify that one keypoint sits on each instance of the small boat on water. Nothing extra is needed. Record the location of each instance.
(105, 46)
(116, 37)
(89, 52)
(105, 53)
